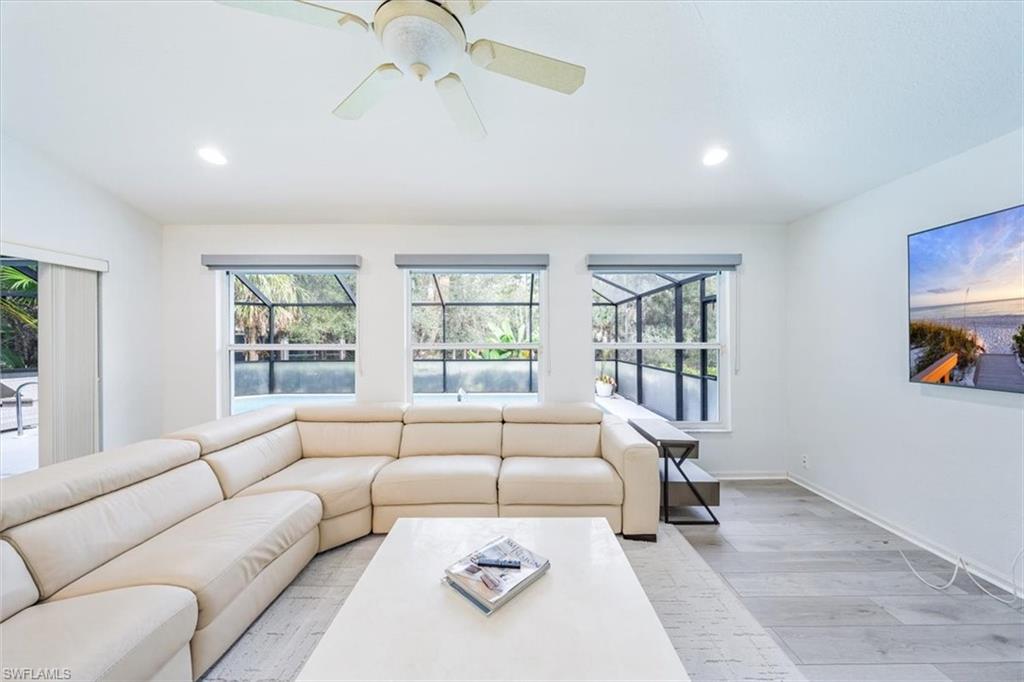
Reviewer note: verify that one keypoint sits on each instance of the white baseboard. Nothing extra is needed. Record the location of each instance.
(998, 578)
(746, 475)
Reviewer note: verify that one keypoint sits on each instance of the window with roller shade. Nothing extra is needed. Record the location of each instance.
(474, 336)
(658, 335)
(292, 337)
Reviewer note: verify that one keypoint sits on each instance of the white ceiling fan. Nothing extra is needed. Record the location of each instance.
(425, 39)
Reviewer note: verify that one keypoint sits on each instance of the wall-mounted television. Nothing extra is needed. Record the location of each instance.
(966, 287)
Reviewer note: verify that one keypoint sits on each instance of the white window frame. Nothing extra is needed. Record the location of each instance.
(726, 332)
(229, 348)
(543, 362)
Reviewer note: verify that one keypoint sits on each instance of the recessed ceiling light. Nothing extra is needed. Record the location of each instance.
(715, 155)
(212, 155)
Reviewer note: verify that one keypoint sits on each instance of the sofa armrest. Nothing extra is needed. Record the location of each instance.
(636, 461)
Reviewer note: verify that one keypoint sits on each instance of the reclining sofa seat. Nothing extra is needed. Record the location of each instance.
(332, 451)
(552, 464)
(539, 460)
(123, 588)
(447, 465)
(575, 460)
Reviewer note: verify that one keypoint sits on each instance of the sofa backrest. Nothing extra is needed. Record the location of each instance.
(551, 430)
(222, 433)
(67, 519)
(246, 448)
(350, 430)
(451, 430)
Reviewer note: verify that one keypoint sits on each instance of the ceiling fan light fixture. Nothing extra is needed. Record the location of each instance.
(212, 156)
(424, 39)
(423, 45)
(715, 155)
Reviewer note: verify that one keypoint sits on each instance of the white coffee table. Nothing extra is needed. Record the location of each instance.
(586, 619)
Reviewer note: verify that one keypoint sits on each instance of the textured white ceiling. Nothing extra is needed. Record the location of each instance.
(816, 101)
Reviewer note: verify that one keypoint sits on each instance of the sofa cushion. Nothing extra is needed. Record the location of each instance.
(558, 480)
(553, 413)
(341, 483)
(125, 634)
(451, 414)
(239, 466)
(210, 642)
(104, 527)
(49, 489)
(215, 553)
(17, 591)
(474, 438)
(551, 440)
(438, 479)
(225, 432)
(350, 439)
(350, 412)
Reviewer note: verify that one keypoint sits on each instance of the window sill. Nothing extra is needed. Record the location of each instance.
(627, 409)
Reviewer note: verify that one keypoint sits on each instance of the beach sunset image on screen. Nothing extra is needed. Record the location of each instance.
(967, 303)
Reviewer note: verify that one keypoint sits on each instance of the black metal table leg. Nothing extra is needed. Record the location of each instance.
(665, 436)
(664, 485)
(713, 521)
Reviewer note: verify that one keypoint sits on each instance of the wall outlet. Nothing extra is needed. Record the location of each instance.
(803, 461)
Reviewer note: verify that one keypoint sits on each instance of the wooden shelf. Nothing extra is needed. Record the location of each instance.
(680, 495)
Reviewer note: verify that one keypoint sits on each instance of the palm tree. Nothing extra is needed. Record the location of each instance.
(19, 316)
(253, 321)
(19, 308)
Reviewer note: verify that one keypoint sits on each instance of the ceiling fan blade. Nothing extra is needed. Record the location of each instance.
(300, 10)
(460, 107)
(369, 92)
(524, 65)
(463, 8)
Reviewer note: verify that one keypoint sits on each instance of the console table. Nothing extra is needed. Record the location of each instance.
(676, 446)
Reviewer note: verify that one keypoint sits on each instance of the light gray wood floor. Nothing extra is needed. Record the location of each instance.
(831, 588)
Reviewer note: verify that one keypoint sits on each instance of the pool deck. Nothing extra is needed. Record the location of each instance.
(18, 454)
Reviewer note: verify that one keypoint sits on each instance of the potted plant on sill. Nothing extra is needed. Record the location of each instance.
(604, 385)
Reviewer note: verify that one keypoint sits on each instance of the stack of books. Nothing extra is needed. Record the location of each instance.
(490, 587)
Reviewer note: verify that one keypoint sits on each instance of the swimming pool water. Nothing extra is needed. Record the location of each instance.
(256, 402)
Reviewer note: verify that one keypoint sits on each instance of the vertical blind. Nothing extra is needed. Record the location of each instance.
(68, 363)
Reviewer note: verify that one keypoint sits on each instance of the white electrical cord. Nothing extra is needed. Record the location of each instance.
(960, 563)
(956, 569)
(1013, 580)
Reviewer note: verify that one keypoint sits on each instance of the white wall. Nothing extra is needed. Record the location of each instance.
(191, 310)
(941, 464)
(44, 205)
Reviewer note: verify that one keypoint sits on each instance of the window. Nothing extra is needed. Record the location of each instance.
(657, 334)
(292, 337)
(474, 336)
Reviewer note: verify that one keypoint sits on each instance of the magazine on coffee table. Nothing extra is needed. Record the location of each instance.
(488, 587)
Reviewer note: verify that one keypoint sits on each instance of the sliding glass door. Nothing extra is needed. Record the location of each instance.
(49, 359)
(19, 363)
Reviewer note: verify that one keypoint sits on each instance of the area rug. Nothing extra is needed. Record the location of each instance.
(716, 638)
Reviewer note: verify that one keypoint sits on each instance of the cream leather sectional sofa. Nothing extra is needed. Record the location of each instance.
(149, 561)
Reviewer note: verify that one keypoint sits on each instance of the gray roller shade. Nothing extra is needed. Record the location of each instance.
(686, 262)
(489, 262)
(257, 262)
